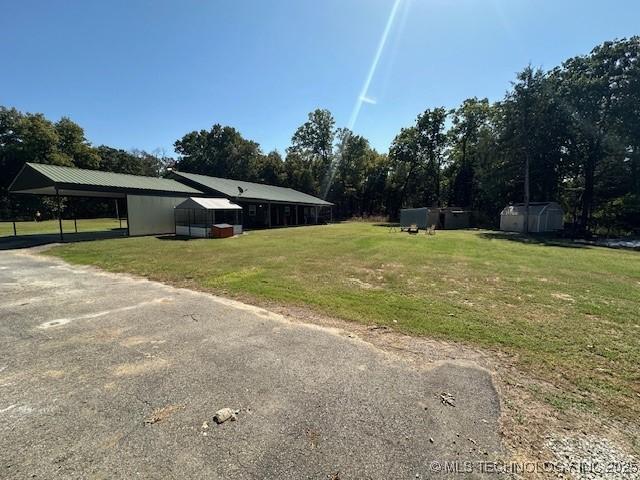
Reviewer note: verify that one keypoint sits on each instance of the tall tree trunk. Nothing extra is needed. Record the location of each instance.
(588, 194)
(526, 193)
(437, 169)
(404, 186)
(635, 170)
(462, 196)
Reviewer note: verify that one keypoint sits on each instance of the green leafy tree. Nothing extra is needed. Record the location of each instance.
(297, 174)
(352, 160)
(269, 169)
(469, 140)
(73, 147)
(220, 152)
(405, 163)
(313, 143)
(416, 159)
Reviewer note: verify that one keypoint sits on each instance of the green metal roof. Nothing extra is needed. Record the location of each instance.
(43, 179)
(250, 190)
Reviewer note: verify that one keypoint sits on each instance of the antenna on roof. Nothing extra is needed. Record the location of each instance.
(240, 190)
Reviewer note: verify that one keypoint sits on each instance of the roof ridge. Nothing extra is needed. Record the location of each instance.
(93, 171)
(245, 181)
(232, 179)
(251, 190)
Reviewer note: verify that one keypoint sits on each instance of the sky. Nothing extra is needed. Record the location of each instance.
(141, 74)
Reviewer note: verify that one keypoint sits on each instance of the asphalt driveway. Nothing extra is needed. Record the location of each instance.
(106, 376)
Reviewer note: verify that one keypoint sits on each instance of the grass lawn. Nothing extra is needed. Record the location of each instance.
(570, 316)
(51, 226)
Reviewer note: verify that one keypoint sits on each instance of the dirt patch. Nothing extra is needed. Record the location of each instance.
(564, 296)
(361, 284)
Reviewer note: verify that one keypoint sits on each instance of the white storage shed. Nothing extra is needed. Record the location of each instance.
(543, 217)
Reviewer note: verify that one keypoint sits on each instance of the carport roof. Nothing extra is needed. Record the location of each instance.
(240, 190)
(208, 204)
(40, 179)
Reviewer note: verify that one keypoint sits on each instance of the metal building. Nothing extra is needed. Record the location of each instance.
(453, 218)
(263, 205)
(150, 201)
(446, 218)
(543, 217)
(416, 216)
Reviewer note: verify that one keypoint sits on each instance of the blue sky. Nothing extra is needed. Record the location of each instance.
(140, 74)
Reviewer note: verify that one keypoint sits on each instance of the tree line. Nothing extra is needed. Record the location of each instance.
(572, 131)
(26, 137)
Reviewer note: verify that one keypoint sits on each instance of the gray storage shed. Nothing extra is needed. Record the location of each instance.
(543, 217)
(414, 216)
(423, 217)
(453, 218)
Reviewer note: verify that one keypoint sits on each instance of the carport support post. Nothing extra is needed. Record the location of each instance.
(269, 212)
(59, 214)
(126, 202)
(13, 215)
(75, 214)
(118, 212)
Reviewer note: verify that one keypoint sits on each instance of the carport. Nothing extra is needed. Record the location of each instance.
(150, 201)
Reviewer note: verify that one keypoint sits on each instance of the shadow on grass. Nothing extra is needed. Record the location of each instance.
(39, 239)
(542, 239)
(178, 238)
(387, 225)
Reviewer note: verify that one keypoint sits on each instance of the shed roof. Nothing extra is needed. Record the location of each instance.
(208, 204)
(240, 190)
(535, 208)
(43, 179)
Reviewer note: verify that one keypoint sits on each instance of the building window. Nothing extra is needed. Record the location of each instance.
(252, 210)
(287, 210)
